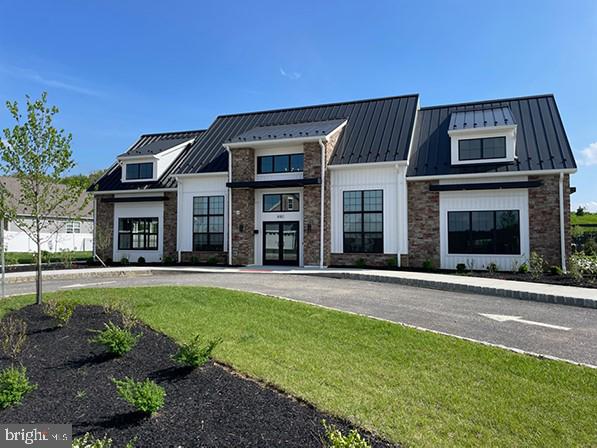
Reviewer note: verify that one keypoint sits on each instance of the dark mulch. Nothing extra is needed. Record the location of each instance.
(209, 407)
(552, 279)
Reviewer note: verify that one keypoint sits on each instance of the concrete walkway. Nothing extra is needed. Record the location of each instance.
(540, 292)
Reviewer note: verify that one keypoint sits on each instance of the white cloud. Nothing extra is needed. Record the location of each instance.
(588, 156)
(32, 75)
(290, 75)
(590, 206)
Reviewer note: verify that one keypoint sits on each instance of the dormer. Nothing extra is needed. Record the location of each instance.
(482, 136)
(148, 162)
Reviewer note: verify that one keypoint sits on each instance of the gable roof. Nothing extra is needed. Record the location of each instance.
(112, 179)
(541, 142)
(377, 130)
(154, 147)
(481, 118)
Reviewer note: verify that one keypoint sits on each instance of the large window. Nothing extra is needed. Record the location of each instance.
(363, 221)
(484, 232)
(482, 148)
(73, 227)
(288, 202)
(137, 171)
(138, 233)
(284, 163)
(208, 223)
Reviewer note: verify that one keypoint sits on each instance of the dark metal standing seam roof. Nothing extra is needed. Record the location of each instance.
(288, 131)
(155, 147)
(541, 142)
(111, 180)
(484, 118)
(377, 130)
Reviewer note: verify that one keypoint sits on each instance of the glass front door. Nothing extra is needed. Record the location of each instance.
(281, 242)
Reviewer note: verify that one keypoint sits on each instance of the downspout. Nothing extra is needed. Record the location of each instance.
(322, 203)
(229, 206)
(562, 228)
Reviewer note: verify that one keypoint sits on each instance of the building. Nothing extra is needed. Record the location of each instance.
(380, 181)
(61, 233)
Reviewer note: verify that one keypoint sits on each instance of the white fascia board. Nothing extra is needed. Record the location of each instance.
(125, 158)
(345, 166)
(148, 190)
(215, 173)
(506, 174)
(159, 155)
(481, 130)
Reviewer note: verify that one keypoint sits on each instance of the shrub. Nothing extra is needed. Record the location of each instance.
(88, 441)
(590, 246)
(428, 265)
(461, 268)
(124, 261)
(127, 314)
(391, 262)
(13, 334)
(523, 268)
(536, 265)
(141, 260)
(168, 260)
(581, 265)
(195, 260)
(61, 310)
(14, 385)
(67, 257)
(146, 396)
(335, 438)
(492, 268)
(212, 261)
(194, 353)
(115, 339)
(556, 270)
(360, 263)
(90, 261)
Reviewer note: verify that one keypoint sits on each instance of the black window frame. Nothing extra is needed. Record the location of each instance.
(282, 202)
(209, 247)
(279, 157)
(482, 141)
(146, 233)
(495, 239)
(138, 170)
(362, 234)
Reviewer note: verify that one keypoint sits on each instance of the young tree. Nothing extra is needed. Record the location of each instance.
(38, 155)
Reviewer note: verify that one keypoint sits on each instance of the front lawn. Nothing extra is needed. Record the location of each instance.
(412, 387)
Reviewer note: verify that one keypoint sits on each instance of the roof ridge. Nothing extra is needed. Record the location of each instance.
(173, 132)
(338, 103)
(496, 100)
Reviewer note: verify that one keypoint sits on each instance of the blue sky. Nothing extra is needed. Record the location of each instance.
(119, 69)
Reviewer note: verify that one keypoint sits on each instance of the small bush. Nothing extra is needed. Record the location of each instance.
(461, 268)
(14, 385)
(195, 260)
(146, 396)
(67, 256)
(194, 353)
(168, 260)
(590, 247)
(124, 261)
(141, 260)
(492, 268)
(580, 265)
(88, 441)
(556, 270)
(90, 261)
(128, 315)
(61, 310)
(13, 334)
(391, 262)
(536, 265)
(115, 339)
(212, 261)
(428, 265)
(523, 268)
(335, 438)
(360, 263)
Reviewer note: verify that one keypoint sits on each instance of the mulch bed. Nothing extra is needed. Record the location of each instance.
(209, 407)
(552, 279)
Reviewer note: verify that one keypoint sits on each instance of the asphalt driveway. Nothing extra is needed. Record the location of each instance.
(554, 330)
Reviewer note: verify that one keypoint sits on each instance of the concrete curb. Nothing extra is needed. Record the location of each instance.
(48, 275)
(459, 287)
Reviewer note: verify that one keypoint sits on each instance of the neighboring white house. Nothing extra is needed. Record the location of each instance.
(61, 232)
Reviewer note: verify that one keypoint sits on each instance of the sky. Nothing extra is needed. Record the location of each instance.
(117, 69)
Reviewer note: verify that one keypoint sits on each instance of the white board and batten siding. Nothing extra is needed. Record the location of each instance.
(478, 200)
(139, 210)
(190, 187)
(389, 178)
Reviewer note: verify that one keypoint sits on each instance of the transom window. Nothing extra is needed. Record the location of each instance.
(73, 227)
(287, 202)
(135, 171)
(283, 163)
(208, 223)
(363, 221)
(484, 232)
(138, 233)
(482, 148)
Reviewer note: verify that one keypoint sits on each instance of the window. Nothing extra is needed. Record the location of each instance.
(363, 221)
(138, 233)
(285, 163)
(482, 148)
(484, 232)
(73, 227)
(281, 202)
(136, 171)
(208, 223)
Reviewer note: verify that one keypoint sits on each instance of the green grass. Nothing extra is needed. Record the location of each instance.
(587, 218)
(27, 257)
(410, 386)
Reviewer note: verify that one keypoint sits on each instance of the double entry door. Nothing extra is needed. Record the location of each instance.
(281, 241)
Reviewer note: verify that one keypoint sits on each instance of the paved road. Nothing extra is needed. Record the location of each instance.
(449, 312)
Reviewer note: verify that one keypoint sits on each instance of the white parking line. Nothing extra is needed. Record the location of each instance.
(80, 285)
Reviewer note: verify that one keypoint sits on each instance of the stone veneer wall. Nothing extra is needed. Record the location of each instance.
(243, 207)
(104, 227)
(423, 225)
(204, 257)
(544, 218)
(170, 220)
(373, 260)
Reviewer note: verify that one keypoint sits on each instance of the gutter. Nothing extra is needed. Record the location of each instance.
(562, 225)
(322, 203)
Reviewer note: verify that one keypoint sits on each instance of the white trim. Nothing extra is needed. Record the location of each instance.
(508, 132)
(480, 130)
(215, 173)
(148, 190)
(493, 174)
(367, 165)
(124, 156)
